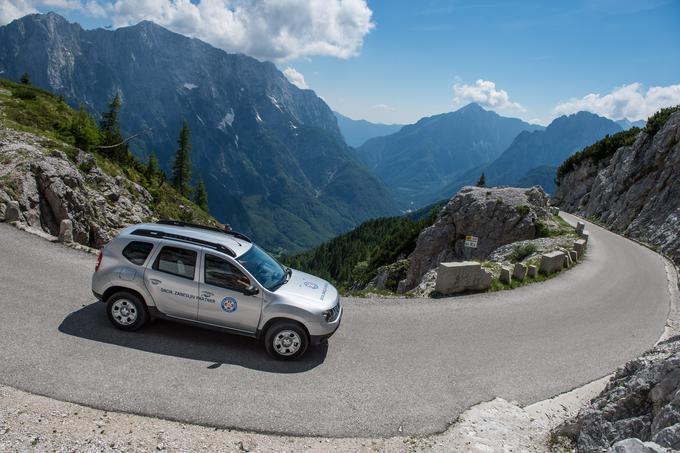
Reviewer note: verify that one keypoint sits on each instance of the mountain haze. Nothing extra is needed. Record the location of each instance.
(420, 159)
(356, 132)
(273, 159)
(533, 157)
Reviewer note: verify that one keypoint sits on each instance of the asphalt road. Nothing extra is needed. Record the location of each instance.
(409, 366)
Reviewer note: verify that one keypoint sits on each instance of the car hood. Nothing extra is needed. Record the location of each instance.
(308, 287)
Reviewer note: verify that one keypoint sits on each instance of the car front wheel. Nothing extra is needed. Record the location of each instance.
(126, 311)
(286, 341)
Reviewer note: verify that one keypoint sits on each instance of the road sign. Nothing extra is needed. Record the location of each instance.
(471, 241)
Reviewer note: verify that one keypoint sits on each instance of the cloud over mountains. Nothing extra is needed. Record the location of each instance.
(265, 29)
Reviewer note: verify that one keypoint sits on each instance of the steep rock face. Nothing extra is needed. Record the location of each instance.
(635, 192)
(641, 401)
(273, 159)
(497, 216)
(420, 159)
(49, 188)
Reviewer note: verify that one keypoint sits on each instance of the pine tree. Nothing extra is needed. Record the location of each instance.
(25, 79)
(84, 130)
(111, 133)
(152, 168)
(482, 181)
(181, 169)
(201, 196)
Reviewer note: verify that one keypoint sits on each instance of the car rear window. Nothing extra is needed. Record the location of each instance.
(176, 261)
(137, 251)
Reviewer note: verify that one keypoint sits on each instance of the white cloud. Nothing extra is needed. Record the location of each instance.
(484, 93)
(14, 9)
(627, 101)
(295, 77)
(265, 29)
(268, 29)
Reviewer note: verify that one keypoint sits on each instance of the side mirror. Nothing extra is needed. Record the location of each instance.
(250, 291)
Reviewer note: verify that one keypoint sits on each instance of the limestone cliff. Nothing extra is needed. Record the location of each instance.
(497, 216)
(635, 191)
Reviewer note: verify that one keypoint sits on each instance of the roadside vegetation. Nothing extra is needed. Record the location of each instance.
(353, 258)
(30, 109)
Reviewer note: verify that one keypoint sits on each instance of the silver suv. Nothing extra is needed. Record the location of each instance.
(213, 278)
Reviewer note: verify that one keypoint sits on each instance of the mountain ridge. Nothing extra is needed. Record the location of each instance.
(421, 158)
(357, 132)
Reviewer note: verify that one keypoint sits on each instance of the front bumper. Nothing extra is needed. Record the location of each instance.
(316, 340)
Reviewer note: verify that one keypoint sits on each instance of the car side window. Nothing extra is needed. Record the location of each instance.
(176, 261)
(222, 273)
(137, 252)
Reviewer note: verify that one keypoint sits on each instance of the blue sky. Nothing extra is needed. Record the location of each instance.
(397, 61)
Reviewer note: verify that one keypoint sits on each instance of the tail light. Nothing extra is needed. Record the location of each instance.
(99, 260)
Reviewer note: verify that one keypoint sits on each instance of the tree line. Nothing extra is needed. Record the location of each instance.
(106, 137)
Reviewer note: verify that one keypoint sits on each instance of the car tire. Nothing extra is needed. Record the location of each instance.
(126, 311)
(286, 340)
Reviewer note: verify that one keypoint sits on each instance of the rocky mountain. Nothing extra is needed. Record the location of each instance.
(419, 160)
(273, 159)
(45, 180)
(356, 132)
(630, 183)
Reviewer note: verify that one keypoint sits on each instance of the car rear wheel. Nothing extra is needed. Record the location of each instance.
(126, 311)
(286, 340)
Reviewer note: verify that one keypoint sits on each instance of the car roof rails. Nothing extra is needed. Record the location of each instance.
(180, 238)
(230, 232)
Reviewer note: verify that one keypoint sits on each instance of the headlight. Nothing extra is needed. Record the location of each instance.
(332, 314)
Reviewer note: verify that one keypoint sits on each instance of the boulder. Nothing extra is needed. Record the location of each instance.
(580, 246)
(519, 272)
(641, 400)
(532, 271)
(633, 445)
(573, 255)
(13, 212)
(497, 216)
(552, 262)
(458, 277)
(580, 227)
(66, 231)
(506, 276)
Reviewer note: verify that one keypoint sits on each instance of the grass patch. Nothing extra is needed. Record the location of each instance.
(521, 251)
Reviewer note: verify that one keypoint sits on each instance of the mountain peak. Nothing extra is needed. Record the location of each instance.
(472, 107)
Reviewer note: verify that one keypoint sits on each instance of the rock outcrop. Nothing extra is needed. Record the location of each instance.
(635, 192)
(497, 216)
(641, 401)
(40, 186)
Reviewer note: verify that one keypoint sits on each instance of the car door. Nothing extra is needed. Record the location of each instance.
(228, 297)
(172, 280)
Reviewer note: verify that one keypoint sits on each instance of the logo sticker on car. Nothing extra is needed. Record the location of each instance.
(311, 285)
(228, 304)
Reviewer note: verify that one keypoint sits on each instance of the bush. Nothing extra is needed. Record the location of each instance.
(656, 121)
(598, 151)
(520, 252)
(25, 93)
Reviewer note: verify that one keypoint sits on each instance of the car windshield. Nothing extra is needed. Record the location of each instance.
(263, 267)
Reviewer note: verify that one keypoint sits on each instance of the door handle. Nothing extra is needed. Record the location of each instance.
(155, 281)
(207, 294)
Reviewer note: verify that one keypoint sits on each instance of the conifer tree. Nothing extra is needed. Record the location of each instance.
(482, 181)
(84, 130)
(152, 167)
(111, 133)
(181, 169)
(25, 79)
(201, 196)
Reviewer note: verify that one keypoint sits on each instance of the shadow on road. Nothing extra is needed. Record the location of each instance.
(178, 340)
